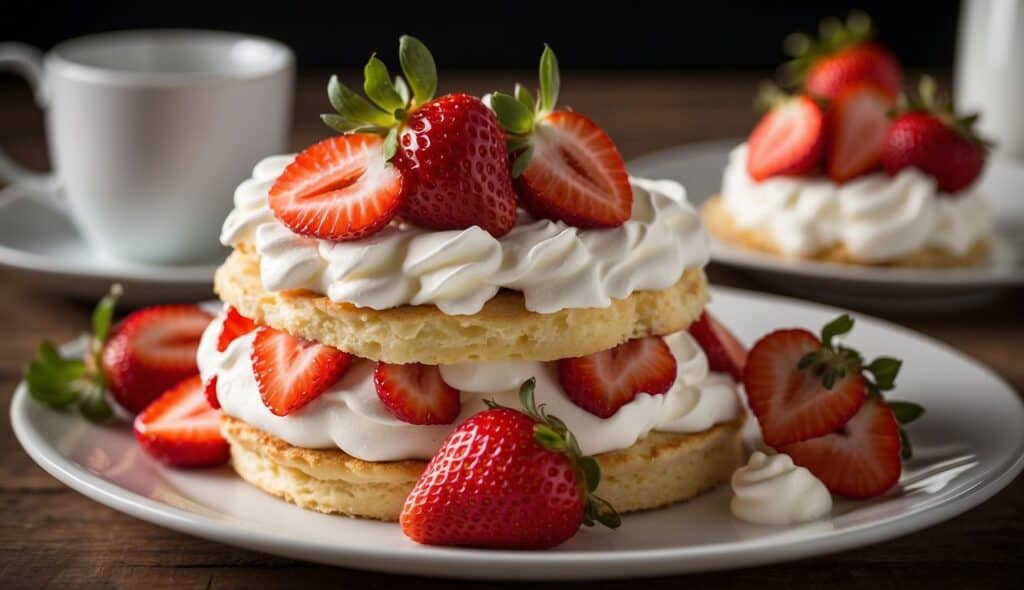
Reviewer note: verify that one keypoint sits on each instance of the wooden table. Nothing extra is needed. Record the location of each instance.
(50, 535)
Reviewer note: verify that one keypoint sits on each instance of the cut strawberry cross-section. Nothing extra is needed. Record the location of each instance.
(291, 372)
(416, 393)
(788, 141)
(858, 122)
(181, 429)
(725, 353)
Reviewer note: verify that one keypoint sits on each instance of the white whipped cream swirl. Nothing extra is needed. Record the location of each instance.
(770, 489)
(554, 265)
(877, 217)
(349, 415)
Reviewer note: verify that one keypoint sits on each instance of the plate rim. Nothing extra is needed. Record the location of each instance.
(550, 565)
(33, 262)
(726, 254)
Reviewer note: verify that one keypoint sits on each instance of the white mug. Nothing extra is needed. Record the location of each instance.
(990, 70)
(150, 131)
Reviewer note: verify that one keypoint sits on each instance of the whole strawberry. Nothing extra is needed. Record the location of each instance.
(449, 153)
(842, 57)
(926, 134)
(506, 479)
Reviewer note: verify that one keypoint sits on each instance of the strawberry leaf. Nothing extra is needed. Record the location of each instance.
(837, 327)
(523, 95)
(905, 412)
(591, 472)
(402, 89)
(419, 68)
(521, 162)
(391, 144)
(353, 107)
(550, 81)
(906, 449)
(378, 86)
(885, 370)
(93, 403)
(516, 118)
(103, 314)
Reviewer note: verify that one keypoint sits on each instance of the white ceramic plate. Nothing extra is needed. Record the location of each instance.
(699, 167)
(962, 458)
(40, 244)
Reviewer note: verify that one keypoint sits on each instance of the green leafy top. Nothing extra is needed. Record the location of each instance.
(833, 35)
(552, 434)
(520, 113)
(64, 382)
(833, 361)
(940, 105)
(390, 99)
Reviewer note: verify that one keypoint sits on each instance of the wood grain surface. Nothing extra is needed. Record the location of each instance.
(53, 537)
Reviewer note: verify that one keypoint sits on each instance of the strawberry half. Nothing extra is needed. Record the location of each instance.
(861, 459)
(506, 479)
(416, 393)
(181, 429)
(291, 372)
(726, 354)
(789, 140)
(603, 382)
(232, 326)
(858, 122)
(566, 167)
(338, 189)
(150, 350)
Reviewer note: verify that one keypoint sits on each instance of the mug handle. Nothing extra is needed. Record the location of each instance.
(27, 61)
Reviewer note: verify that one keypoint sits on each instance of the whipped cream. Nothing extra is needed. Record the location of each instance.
(770, 489)
(877, 217)
(349, 415)
(554, 265)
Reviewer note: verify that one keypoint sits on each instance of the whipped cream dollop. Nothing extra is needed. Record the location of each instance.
(349, 415)
(554, 265)
(877, 217)
(770, 489)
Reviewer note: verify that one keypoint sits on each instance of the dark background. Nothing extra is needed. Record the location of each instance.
(707, 35)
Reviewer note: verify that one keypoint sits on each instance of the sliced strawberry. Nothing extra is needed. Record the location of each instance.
(858, 122)
(210, 390)
(338, 189)
(789, 140)
(726, 354)
(793, 404)
(181, 429)
(416, 393)
(291, 372)
(575, 175)
(603, 382)
(234, 325)
(861, 459)
(150, 350)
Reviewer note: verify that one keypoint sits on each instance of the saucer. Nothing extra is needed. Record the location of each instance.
(40, 245)
(699, 168)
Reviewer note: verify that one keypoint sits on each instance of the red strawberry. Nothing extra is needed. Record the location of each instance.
(789, 140)
(454, 164)
(941, 146)
(726, 354)
(181, 429)
(416, 393)
(861, 459)
(234, 325)
(793, 403)
(291, 372)
(833, 74)
(150, 350)
(505, 479)
(338, 189)
(210, 391)
(603, 382)
(858, 122)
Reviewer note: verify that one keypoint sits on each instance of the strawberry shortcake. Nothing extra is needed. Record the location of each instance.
(448, 254)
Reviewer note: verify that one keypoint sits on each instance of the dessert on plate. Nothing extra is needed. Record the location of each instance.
(846, 170)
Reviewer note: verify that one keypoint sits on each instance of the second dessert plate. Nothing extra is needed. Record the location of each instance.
(699, 167)
(961, 459)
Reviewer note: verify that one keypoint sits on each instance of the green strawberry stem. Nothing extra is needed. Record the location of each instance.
(61, 382)
(388, 100)
(553, 434)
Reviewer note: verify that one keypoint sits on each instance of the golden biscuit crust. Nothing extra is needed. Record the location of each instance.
(503, 330)
(720, 224)
(660, 469)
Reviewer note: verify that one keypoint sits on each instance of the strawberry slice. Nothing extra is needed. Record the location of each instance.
(858, 123)
(338, 189)
(150, 350)
(603, 382)
(233, 326)
(575, 175)
(860, 460)
(726, 354)
(788, 141)
(210, 390)
(416, 393)
(291, 372)
(181, 429)
(793, 403)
